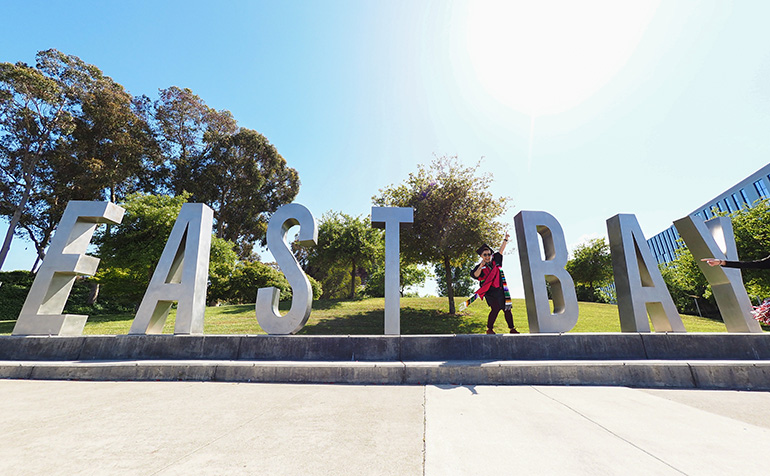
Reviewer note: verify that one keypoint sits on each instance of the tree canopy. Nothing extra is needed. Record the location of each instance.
(344, 243)
(751, 227)
(33, 119)
(591, 268)
(454, 213)
(409, 275)
(244, 179)
(131, 250)
(69, 132)
(686, 283)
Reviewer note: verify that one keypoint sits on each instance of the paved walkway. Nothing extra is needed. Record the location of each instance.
(183, 428)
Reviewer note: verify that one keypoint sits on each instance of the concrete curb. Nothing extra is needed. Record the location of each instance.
(712, 361)
(535, 347)
(736, 375)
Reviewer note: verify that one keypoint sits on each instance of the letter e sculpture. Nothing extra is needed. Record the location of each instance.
(268, 316)
(65, 259)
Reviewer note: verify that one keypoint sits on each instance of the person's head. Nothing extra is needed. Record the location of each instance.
(485, 252)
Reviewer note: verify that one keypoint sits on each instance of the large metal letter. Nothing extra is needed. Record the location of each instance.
(268, 316)
(640, 287)
(714, 239)
(181, 275)
(535, 272)
(66, 258)
(392, 219)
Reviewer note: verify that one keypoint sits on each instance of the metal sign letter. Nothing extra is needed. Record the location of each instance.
(536, 272)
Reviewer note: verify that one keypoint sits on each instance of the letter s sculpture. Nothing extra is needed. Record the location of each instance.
(302, 294)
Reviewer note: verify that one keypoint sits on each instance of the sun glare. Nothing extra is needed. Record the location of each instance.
(544, 57)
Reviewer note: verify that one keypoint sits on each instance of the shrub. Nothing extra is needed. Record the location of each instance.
(16, 285)
(13, 292)
(250, 276)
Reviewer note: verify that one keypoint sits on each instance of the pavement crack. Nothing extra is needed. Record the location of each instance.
(209, 443)
(608, 430)
(424, 425)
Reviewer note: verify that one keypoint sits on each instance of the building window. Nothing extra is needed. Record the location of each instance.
(745, 198)
(672, 240)
(729, 208)
(662, 250)
(759, 185)
(737, 201)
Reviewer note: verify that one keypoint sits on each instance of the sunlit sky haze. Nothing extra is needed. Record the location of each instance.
(581, 109)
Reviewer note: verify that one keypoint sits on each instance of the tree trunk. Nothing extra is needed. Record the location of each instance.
(353, 281)
(93, 294)
(38, 260)
(30, 160)
(14, 223)
(220, 222)
(450, 292)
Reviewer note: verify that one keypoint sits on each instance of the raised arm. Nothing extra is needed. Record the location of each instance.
(505, 242)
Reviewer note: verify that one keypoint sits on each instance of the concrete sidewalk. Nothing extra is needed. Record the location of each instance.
(168, 428)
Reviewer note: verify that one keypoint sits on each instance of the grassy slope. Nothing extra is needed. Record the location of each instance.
(366, 316)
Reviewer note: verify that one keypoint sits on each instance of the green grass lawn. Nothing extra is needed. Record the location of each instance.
(427, 315)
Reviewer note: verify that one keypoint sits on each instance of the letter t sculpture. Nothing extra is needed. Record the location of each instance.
(392, 219)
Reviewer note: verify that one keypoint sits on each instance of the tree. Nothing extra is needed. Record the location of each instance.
(235, 171)
(244, 179)
(453, 213)
(686, 283)
(68, 133)
(111, 149)
(131, 251)
(187, 129)
(249, 276)
(463, 283)
(591, 268)
(751, 227)
(344, 242)
(33, 116)
(109, 153)
(222, 265)
(409, 275)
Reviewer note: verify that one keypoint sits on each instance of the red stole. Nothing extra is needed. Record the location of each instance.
(489, 276)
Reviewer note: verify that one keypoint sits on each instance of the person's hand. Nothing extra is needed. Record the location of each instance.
(507, 235)
(714, 262)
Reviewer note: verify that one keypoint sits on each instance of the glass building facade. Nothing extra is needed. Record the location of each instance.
(743, 194)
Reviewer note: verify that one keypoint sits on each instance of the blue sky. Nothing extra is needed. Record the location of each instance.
(581, 109)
